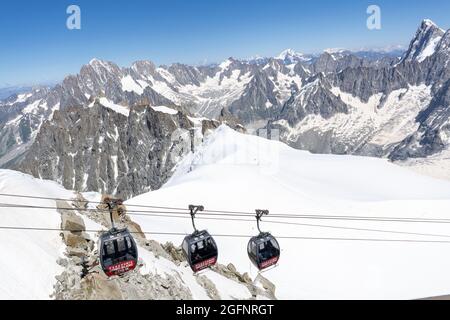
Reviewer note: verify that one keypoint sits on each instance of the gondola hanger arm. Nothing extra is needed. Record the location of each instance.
(259, 214)
(193, 210)
(112, 204)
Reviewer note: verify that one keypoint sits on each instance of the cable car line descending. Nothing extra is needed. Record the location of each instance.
(161, 214)
(70, 200)
(280, 216)
(361, 229)
(247, 214)
(118, 251)
(12, 228)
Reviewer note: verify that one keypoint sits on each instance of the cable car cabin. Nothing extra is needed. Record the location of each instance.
(118, 252)
(200, 250)
(263, 251)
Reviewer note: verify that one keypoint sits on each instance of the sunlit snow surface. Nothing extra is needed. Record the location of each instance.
(28, 258)
(28, 264)
(117, 108)
(165, 109)
(239, 172)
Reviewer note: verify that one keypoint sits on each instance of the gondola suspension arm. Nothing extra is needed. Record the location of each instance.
(259, 214)
(193, 210)
(112, 204)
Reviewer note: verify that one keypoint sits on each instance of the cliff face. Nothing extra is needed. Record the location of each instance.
(97, 149)
(122, 153)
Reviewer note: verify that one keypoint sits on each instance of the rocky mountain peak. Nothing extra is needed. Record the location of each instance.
(425, 41)
(286, 53)
(427, 23)
(102, 65)
(228, 63)
(95, 61)
(144, 68)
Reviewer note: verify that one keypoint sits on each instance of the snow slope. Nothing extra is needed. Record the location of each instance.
(237, 172)
(28, 262)
(129, 85)
(435, 165)
(117, 108)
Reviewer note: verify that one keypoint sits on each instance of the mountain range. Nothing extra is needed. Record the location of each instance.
(8, 91)
(108, 128)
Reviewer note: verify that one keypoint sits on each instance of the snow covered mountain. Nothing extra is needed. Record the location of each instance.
(404, 104)
(254, 92)
(424, 43)
(337, 102)
(289, 56)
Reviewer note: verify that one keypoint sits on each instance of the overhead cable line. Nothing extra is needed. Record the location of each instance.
(242, 213)
(284, 216)
(164, 215)
(84, 201)
(233, 235)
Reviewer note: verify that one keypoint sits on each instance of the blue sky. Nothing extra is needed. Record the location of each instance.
(36, 46)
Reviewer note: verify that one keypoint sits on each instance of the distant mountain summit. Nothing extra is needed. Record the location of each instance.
(289, 56)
